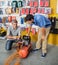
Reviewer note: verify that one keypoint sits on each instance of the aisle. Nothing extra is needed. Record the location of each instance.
(33, 58)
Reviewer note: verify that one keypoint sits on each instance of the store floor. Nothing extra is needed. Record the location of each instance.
(33, 58)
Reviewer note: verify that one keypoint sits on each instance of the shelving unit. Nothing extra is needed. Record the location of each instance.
(7, 4)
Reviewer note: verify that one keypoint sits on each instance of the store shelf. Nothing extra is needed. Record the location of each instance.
(3, 37)
(5, 7)
(4, 15)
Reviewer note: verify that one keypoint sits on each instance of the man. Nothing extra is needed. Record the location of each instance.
(13, 34)
(44, 25)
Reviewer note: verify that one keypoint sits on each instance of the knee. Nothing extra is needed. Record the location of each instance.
(8, 49)
(8, 45)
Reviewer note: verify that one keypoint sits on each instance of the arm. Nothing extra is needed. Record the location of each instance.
(13, 37)
(9, 36)
(29, 30)
(19, 33)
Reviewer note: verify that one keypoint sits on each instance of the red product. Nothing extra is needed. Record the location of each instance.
(31, 3)
(9, 18)
(23, 11)
(33, 31)
(39, 10)
(31, 10)
(35, 3)
(24, 51)
(34, 10)
(42, 11)
(27, 30)
(27, 10)
(46, 3)
(13, 17)
(41, 3)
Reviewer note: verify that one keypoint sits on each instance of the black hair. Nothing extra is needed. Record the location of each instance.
(14, 21)
(29, 17)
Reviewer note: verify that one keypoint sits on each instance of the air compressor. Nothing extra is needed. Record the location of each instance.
(25, 46)
(23, 49)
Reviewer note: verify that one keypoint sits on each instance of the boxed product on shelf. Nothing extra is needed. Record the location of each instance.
(2, 30)
(30, 3)
(47, 10)
(0, 20)
(43, 10)
(35, 10)
(4, 20)
(13, 17)
(13, 10)
(20, 4)
(47, 3)
(3, 3)
(36, 3)
(31, 10)
(44, 3)
(9, 18)
(1, 11)
(27, 11)
(41, 3)
(17, 10)
(22, 11)
(39, 10)
(8, 10)
(22, 20)
(14, 4)
(9, 3)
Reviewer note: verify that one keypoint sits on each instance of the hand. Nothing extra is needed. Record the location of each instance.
(14, 37)
(17, 37)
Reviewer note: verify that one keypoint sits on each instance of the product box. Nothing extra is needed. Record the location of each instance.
(36, 3)
(31, 10)
(30, 3)
(27, 11)
(22, 11)
(47, 3)
(47, 10)
(41, 3)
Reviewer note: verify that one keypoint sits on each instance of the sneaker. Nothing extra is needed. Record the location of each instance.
(43, 54)
(36, 49)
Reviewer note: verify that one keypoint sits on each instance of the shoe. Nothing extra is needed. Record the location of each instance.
(36, 49)
(43, 54)
(33, 50)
